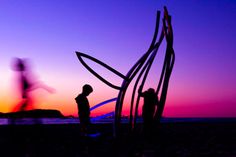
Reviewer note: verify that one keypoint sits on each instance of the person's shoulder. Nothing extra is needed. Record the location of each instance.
(79, 97)
(145, 93)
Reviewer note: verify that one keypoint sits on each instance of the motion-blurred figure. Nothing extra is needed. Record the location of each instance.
(84, 108)
(149, 108)
(27, 83)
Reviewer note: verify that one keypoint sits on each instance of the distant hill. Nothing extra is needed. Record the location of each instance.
(37, 113)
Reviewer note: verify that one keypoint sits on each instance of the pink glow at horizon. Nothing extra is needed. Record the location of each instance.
(118, 33)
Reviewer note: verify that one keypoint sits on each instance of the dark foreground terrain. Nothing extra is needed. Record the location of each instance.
(171, 139)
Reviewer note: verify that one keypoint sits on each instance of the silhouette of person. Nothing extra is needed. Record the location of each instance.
(84, 108)
(149, 108)
(27, 83)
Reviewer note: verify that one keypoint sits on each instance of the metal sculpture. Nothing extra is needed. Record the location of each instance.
(141, 67)
(102, 104)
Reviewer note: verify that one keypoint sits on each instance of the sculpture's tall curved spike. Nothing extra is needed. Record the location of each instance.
(149, 64)
(132, 73)
(168, 64)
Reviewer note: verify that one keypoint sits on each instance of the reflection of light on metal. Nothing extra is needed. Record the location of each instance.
(104, 115)
(141, 67)
(110, 114)
(102, 103)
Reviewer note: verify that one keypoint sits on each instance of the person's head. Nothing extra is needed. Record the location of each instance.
(87, 89)
(18, 64)
(151, 90)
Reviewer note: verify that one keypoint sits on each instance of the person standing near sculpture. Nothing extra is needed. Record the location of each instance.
(84, 108)
(149, 108)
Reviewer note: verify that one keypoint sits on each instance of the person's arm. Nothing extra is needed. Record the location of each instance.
(156, 105)
(140, 91)
(157, 101)
(40, 84)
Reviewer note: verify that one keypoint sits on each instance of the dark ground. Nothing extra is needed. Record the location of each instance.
(171, 139)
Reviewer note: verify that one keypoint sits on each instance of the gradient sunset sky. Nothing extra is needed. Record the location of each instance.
(48, 32)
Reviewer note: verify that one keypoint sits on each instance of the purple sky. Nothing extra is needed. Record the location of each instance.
(118, 33)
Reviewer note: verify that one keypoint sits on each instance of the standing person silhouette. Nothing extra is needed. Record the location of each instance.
(149, 108)
(84, 108)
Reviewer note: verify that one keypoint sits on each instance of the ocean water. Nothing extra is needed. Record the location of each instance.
(31, 121)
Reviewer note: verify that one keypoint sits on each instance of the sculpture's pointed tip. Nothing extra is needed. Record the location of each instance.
(77, 52)
(165, 10)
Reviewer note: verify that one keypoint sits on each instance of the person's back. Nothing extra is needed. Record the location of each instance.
(84, 108)
(150, 101)
(149, 108)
